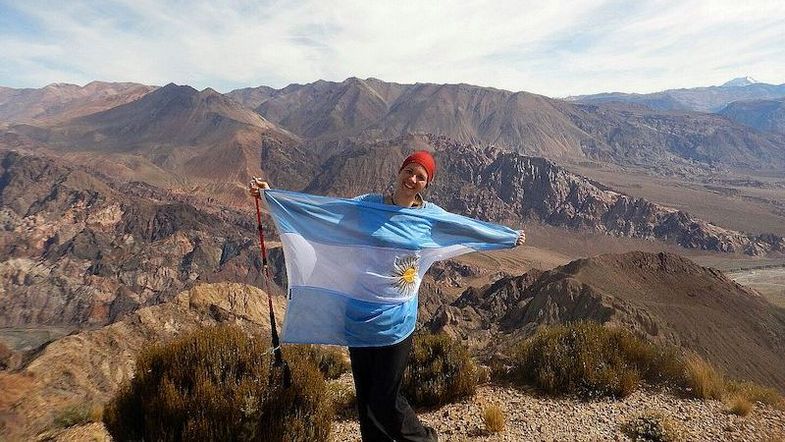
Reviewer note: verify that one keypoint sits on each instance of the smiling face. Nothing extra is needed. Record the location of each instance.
(412, 179)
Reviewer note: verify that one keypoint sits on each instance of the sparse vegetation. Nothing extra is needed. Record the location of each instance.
(78, 415)
(217, 384)
(654, 427)
(493, 417)
(332, 362)
(704, 381)
(756, 393)
(439, 371)
(343, 397)
(592, 360)
(738, 404)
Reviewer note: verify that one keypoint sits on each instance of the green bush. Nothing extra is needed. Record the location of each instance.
(217, 384)
(591, 360)
(439, 371)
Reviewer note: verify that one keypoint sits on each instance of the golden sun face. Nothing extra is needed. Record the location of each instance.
(405, 273)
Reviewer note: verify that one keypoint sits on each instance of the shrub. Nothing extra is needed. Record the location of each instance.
(738, 404)
(343, 398)
(756, 393)
(332, 362)
(591, 360)
(77, 415)
(652, 426)
(217, 384)
(703, 380)
(439, 371)
(493, 417)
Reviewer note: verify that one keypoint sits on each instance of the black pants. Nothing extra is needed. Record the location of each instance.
(385, 415)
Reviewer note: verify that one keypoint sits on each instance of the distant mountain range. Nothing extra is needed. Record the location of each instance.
(179, 130)
(701, 99)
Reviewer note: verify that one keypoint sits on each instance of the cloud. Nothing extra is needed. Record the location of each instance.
(554, 48)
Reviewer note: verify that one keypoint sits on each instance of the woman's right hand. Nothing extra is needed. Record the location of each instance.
(256, 185)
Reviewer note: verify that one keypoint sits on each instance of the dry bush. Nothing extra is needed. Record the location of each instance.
(343, 397)
(78, 415)
(703, 380)
(217, 384)
(756, 393)
(739, 405)
(653, 426)
(592, 360)
(439, 371)
(493, 417)
(332, 362)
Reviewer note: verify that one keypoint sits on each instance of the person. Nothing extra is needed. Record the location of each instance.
(384, 413)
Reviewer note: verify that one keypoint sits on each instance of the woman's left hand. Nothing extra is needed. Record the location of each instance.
(521, 238)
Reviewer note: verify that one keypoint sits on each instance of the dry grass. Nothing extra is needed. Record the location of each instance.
(343, 398)
(494, 419)
(756, 393)
(703, 380)
(739, 405)
(78, 415)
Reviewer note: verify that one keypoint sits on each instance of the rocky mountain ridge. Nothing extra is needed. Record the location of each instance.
(702, 99)
(78, 249)
(763, 115)
(664, 297)
(531, 124)
(507, 187)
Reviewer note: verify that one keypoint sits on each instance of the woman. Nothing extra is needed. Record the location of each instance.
(384, 413)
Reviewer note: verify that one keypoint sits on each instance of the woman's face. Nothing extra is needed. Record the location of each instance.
(412, 179)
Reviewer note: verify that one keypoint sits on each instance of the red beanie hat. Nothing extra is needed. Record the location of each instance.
(424, 159)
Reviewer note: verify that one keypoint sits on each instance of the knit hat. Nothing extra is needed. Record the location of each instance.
(424, 159)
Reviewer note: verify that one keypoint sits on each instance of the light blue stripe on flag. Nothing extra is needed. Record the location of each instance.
(354, 266)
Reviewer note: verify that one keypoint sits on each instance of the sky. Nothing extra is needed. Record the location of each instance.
(554, 48)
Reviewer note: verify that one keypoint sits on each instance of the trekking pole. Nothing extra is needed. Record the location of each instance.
(277, 353)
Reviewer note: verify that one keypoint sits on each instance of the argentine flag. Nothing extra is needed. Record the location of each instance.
(354, 265)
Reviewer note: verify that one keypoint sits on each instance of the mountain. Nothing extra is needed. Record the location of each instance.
(174, 137)
(325, 113)
(328, 108)
(664, 297)
(740, 82)
(507, 187)
(80, 249)
(701, 99)
(763, 115)
(59, 102)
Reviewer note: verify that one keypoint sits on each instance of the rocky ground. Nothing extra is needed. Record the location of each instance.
(530, 417)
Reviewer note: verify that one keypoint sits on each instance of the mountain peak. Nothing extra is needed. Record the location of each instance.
(740, 82)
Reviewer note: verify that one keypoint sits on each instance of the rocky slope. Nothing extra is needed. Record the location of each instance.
(763, 115)
(89, 367)
(664, 297)
(489, 183)
(81, 249)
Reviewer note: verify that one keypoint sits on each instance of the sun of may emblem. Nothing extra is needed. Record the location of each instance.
(405, 273)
